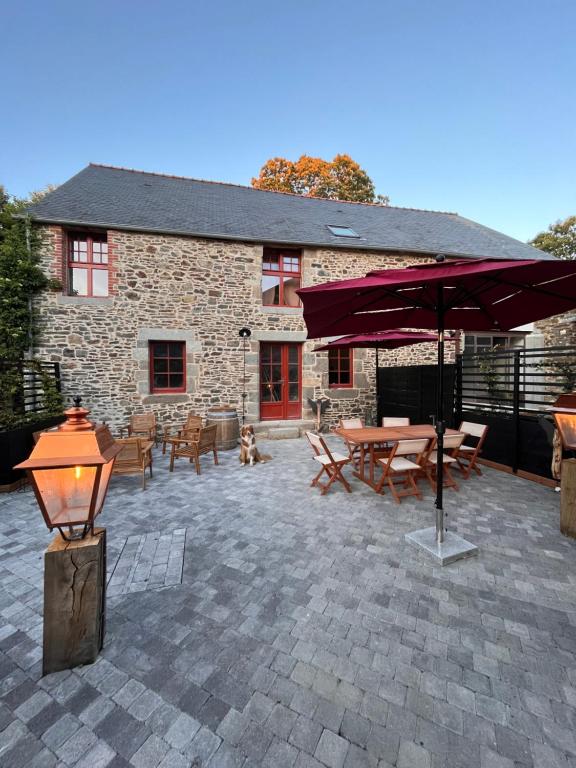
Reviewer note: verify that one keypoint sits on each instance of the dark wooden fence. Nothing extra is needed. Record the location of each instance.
(511, 391)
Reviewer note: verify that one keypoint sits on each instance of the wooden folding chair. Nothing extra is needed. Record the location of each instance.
(332, 463)
(397, 468)
(353, 448)
(395, 421)
(194, 444)
(430, 460)
(469, 453)
(134, 458)
(390, 421)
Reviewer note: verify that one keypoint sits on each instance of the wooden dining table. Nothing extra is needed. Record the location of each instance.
(369, 437)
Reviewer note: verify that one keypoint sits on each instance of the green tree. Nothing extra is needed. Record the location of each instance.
(559, 239)
(21, 278)
(340, 179)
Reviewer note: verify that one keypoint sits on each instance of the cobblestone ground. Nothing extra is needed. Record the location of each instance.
(252, 622)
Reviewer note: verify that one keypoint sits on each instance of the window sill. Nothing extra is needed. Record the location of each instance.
(89, 301)
(151, 399)
(342, 393)
(282, 310)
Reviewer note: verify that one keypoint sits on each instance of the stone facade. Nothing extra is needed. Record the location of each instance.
(201, 292)
(559, 330)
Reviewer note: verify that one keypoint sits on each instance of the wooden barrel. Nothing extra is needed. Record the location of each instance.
(227, 426)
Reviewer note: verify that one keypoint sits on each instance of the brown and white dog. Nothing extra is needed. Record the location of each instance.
(249, 454)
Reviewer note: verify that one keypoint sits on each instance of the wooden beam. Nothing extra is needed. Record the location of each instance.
(74, 601)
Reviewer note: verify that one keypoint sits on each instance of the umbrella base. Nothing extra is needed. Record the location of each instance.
(453, 547)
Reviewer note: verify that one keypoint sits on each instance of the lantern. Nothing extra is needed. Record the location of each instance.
(70, 469)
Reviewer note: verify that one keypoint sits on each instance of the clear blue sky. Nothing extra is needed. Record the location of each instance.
(448, 104)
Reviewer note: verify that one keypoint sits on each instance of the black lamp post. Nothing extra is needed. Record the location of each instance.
(244, 334)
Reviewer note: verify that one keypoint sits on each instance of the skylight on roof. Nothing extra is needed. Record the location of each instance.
(342, 231)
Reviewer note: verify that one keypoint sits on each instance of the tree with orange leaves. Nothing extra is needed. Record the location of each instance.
(341, 179)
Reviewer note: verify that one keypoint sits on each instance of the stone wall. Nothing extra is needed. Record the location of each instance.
(201, 292)
(558, 331)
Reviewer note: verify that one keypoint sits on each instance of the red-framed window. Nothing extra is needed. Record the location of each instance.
(281, 276)
(167, 366)
(87, 264)
(340, 368)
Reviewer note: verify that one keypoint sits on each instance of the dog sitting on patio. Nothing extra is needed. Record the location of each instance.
(249, 454)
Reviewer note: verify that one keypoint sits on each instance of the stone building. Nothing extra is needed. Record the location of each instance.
(158, 274)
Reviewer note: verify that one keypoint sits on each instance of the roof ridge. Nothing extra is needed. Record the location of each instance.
(270, 191)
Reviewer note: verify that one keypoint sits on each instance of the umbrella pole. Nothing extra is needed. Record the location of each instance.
(440, 426)
(377, 388)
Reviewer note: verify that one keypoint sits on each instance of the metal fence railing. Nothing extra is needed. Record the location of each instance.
(28, 388)
(513, 390)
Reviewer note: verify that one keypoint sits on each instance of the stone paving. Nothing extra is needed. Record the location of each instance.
(302, 631)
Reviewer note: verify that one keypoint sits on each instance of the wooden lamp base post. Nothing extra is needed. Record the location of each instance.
(74, 601)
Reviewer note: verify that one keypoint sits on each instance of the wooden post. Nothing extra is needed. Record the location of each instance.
(568, 499)
(74, 601)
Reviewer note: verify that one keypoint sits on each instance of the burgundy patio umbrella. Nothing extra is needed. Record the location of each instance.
(475, 295)
(392, 339)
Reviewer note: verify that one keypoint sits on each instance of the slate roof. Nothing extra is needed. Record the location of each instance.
(120, 198)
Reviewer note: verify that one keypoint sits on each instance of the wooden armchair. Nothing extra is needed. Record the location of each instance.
(134, 458)
(193, 424)
(193, 445)
(141, 425)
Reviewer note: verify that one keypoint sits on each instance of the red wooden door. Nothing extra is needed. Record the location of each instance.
(280, 381)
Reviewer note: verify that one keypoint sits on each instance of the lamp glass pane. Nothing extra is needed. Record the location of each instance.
(66, 493)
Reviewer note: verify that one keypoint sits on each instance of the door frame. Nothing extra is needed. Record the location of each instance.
(284, 345)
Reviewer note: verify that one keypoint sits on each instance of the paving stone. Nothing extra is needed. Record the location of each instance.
(182, 731)
(60, 731)
(279, 753)
(203, 745)
(331, 749)
(281, 721)
(74, 747)
(411, 755)
(99, 756)
(490, 759)
(355, 729)
(305, 734)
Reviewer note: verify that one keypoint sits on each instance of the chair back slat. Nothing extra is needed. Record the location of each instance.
(193, 421)
(453, 441)
(316, 442)
(130, 453)
(407, 447)
(472, 429)
(395, 421)
(191, 433)
(351, 424)
(142, 421)
(207, 437)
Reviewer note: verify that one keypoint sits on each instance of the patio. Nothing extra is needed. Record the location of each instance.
(252, 621)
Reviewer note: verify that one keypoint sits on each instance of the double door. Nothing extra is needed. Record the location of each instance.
(280, 381)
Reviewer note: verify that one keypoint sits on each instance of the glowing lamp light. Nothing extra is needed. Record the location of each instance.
(70, 469)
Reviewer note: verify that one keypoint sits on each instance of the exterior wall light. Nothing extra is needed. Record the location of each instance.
(70, 469)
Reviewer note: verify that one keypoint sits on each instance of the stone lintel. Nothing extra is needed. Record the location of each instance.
(287, 336)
